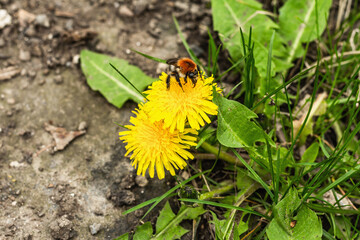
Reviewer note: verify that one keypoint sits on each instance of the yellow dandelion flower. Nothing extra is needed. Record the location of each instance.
(152, 145)
(176, 105)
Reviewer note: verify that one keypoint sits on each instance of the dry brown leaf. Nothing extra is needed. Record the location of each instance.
(8, 73)
(344, 203)
(61, 136)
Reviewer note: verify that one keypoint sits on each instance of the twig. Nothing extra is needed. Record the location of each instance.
(43, 149)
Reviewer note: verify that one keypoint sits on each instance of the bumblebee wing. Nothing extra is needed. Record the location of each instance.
(172, 61)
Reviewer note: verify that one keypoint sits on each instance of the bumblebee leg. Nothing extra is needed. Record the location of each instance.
(185, 79)
(178, 79)
(195, 79)
(168, 82)
(176, 75)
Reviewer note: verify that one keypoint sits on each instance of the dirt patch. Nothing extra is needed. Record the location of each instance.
(81, 191)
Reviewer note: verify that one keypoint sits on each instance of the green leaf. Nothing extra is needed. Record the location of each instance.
(231, 15)
(235, 128)
(167, 225)
(240, 229)
(307, 224)
(297, 22)
(220, 226)
(166, 215)
(143, 232)
(125, 236)
(102, 77)
(310, 155)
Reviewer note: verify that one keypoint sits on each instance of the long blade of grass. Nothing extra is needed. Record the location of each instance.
(339, 180)
(272, 168)
(215, 59)
(255, 175)
(268, 69)
(321, 208)
(234, 65)
(228, 206)
(186, 45)
(141, 205)
(120, 125)
(301, 74)
(211, 52)
(290, 112)
(324, 172)
(127, 80)
(148, 56)
(181, 184)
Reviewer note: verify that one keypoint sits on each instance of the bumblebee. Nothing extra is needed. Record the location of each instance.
(185, 68)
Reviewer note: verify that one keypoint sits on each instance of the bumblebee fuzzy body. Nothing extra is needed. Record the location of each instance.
(185, 68)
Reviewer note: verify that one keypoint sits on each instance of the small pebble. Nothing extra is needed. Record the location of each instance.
(141, 181)
(30, 31)
(76, 59)
(24, 55)
(41, 214)
(124, 11)
(181, 5)
(46, 71)
(41, 81)
(5, 18)
(58, 79)
(185, 175)
(32, 73)
(82, 126)
(69, 25)
(153, 23)
(11, 101)
(42, 20)
(16, 164)
(94, 228)
(23, 72)
(139, 6)
(195, 10)
(99, 212)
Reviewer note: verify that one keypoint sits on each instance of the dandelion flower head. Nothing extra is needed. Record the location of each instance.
(153, 145)
(178, 105)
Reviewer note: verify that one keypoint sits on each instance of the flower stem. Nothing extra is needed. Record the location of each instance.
(222, 155)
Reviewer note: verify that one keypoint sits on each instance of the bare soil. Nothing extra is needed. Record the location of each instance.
(81, 191)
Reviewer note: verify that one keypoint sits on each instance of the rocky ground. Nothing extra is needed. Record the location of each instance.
(78, 192)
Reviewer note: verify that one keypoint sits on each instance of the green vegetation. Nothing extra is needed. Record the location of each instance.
(294, 173)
